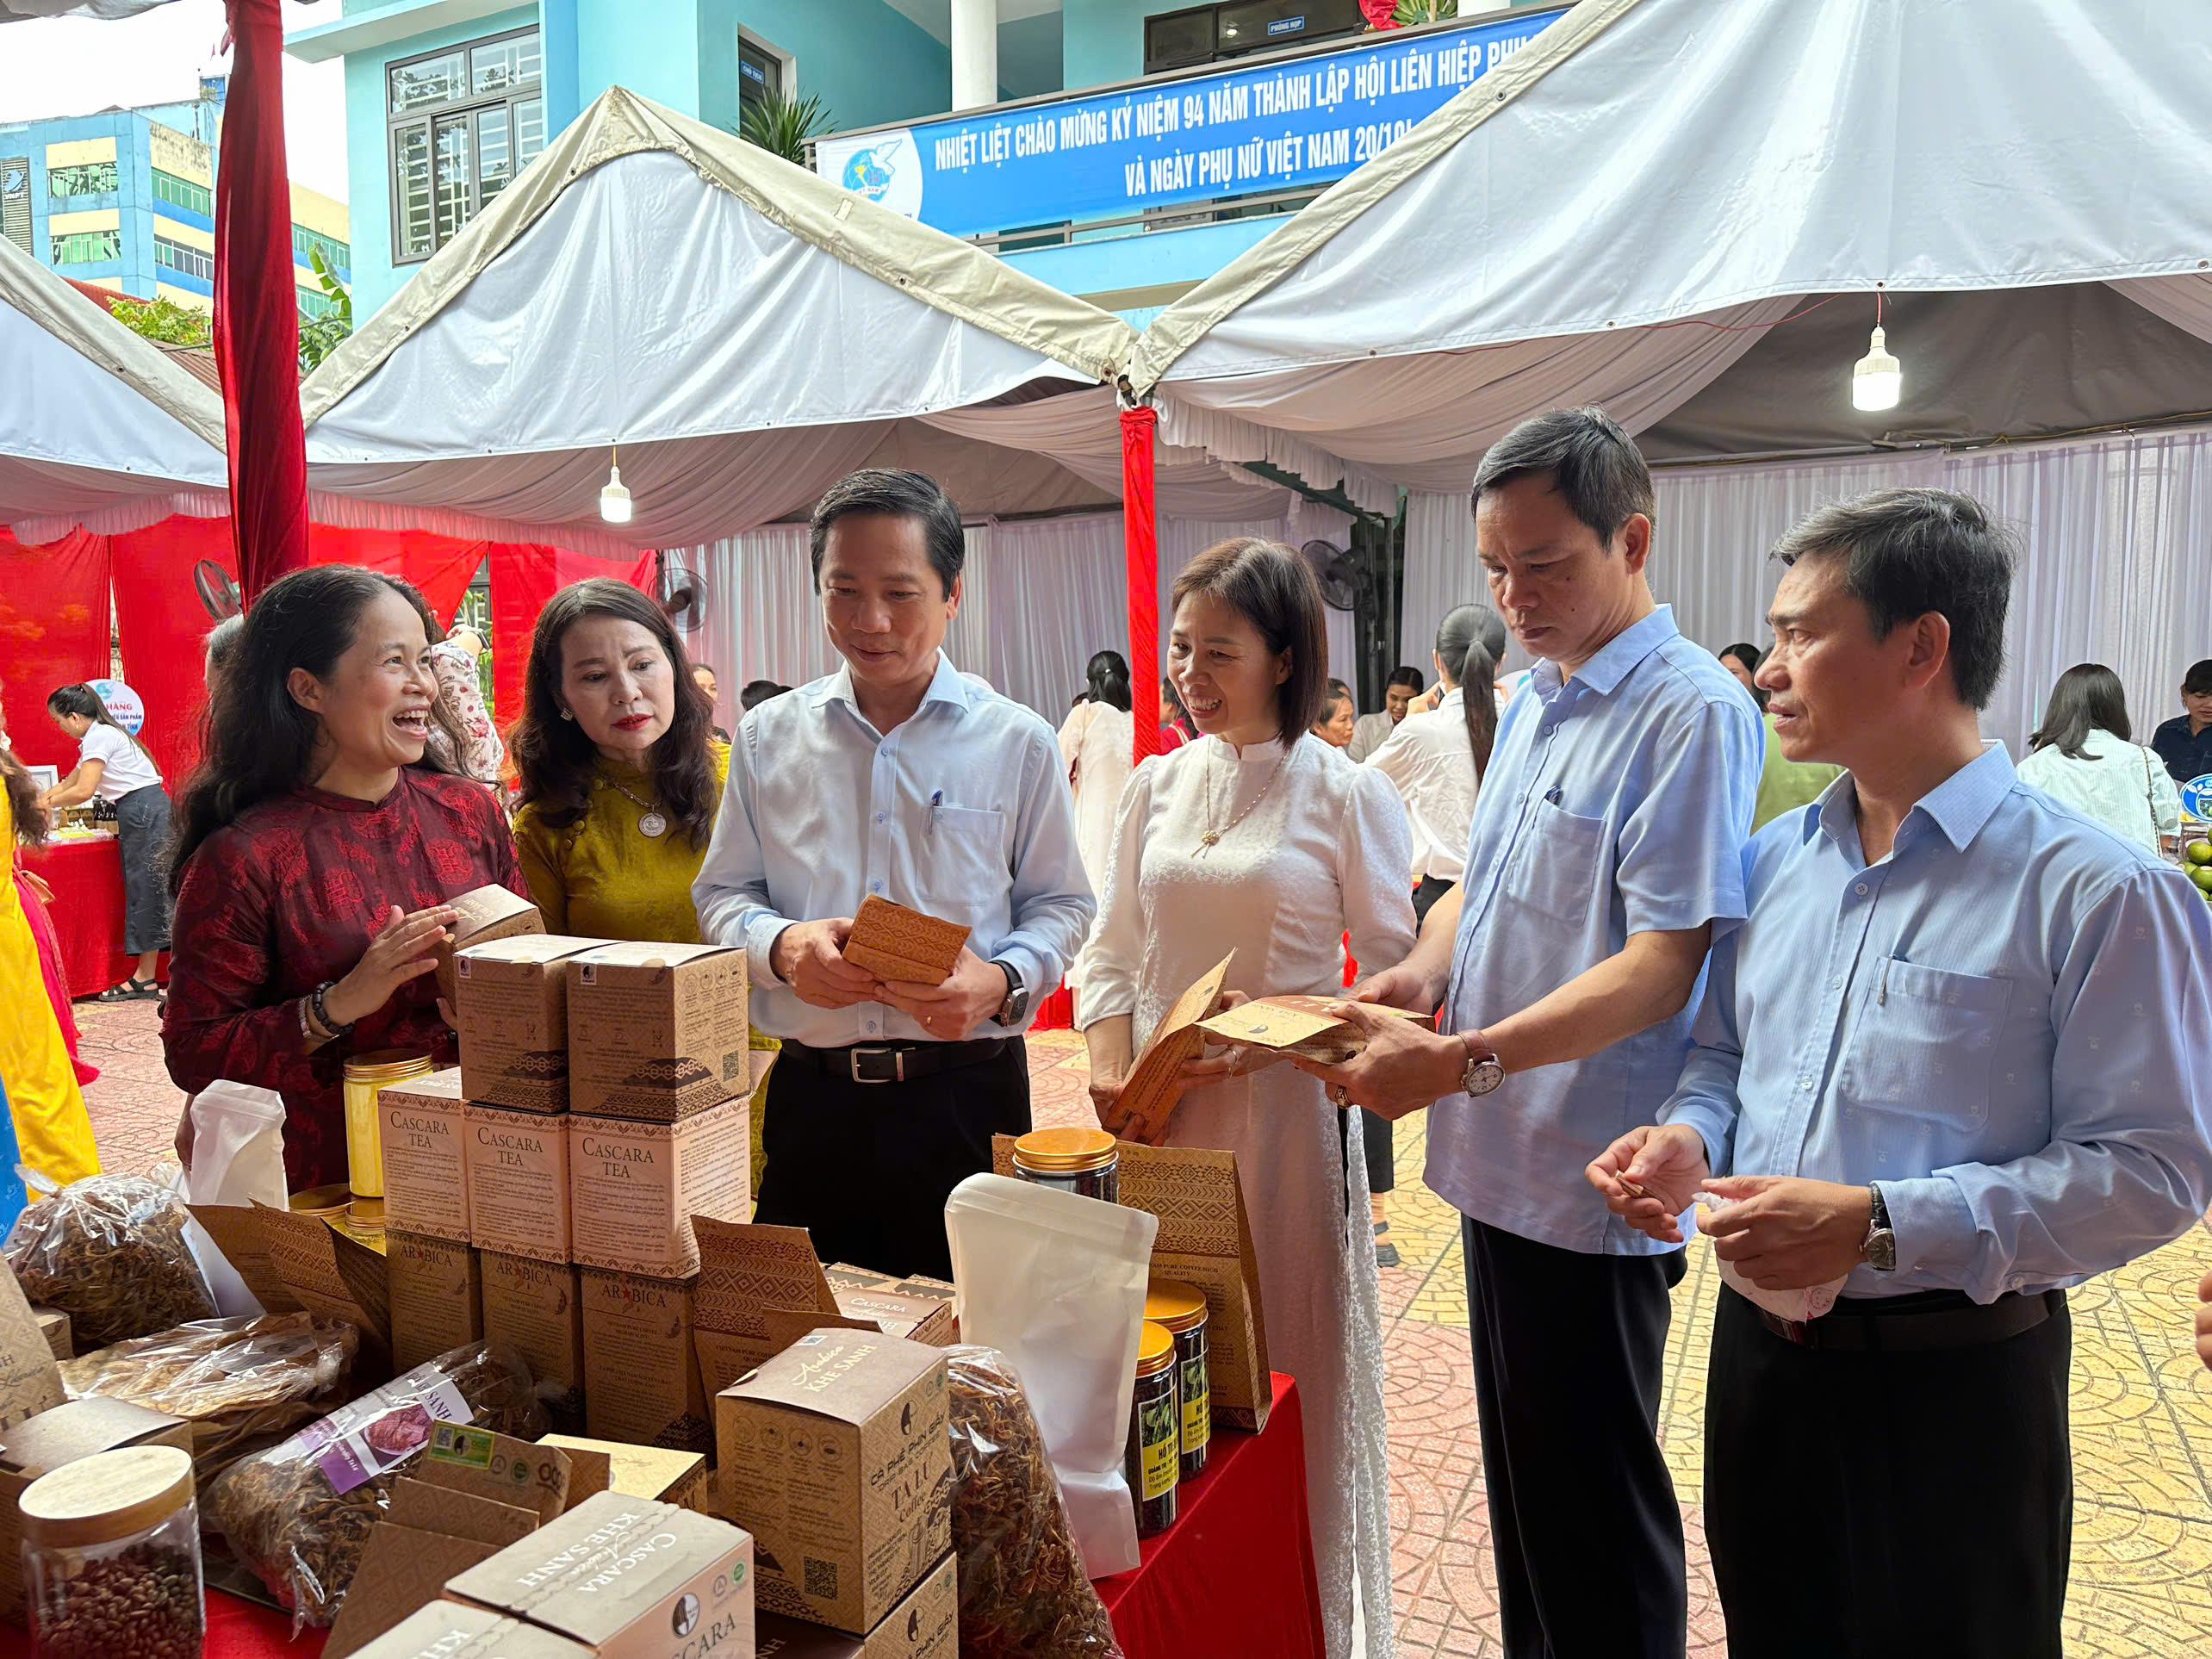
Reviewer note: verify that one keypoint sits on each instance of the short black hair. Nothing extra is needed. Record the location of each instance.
(1594, 465)
(697, 667)
(1909, 552)
(1273, 589)
(2199, 679)
(758, 691)
(897, 495)
(1403, 675)
(1336, 692)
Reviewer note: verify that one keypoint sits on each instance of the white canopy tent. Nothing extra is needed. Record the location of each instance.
(1645, 204)
(98, 427)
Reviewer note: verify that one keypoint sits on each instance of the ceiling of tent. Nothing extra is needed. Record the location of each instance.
(744, 332)
(1552, 233)
(97, 425)
(2020, 364)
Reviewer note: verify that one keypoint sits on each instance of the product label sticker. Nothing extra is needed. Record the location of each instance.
(1197, 1403)
(1162, 1463)
(382, 1430)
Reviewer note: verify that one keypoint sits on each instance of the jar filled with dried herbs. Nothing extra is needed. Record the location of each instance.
(1085, 1162)
(111, 1557)
(1180, 1310)
(1153, 1462)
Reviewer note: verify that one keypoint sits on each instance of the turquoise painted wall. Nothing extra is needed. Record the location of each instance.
(1102, 41)
(868, 64)
(368, 158)
(1030, 56)
(650, 47)
(1177, 255)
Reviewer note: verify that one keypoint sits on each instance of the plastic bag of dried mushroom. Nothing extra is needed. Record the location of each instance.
(300, 1513)
(245, 1383)
(110, 1252)
(1023, 1592)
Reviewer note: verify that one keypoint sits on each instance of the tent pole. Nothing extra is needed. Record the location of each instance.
(257, 309)
(1140, 544)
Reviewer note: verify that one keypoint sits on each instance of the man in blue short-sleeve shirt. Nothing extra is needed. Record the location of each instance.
(1606, 857)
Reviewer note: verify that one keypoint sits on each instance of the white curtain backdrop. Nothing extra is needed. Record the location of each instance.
(1038, 598)
(2114, 536)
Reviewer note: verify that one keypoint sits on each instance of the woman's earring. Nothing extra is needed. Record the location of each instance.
(566, 715)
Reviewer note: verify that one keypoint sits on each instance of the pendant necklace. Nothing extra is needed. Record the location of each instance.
(1212, 838)
(650, 823)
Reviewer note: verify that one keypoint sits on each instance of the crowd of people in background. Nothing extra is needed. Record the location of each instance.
(1776, 933)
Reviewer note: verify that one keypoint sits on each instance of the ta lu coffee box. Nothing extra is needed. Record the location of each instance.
(513, 1007)
(425, 1141)
(641, 1375)
(537, 1308)
(656, 1031)
(436, 1294)
(1205, 1241)
(836, 1455)
(455, 1630)
(926, 1625)
(634, 1186)
(485, 914)
(628, 1579)
(517, 1169)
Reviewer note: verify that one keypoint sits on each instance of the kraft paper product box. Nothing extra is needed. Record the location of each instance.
(537, 1308)
(512, 1005)
(425, 1535)
(486, 914)
(640, 1376)
(426, 1155)
(54, 1326)
(656, 1031)
(836, 1455)
(654, 1472)
(627, 1578)
(1205, 1241)
(454, 1629)
(61, 1435)
(635, 1186)
(437, 1296)
(517, 1169)
(926, 1625)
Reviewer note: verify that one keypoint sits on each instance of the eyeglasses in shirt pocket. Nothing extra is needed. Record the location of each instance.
(1926, 1038)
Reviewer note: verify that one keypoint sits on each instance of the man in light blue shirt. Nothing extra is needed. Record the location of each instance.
(1605, 855)
(897, 777)
(1955, 1062)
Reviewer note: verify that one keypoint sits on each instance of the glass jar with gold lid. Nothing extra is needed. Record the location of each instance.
(1085, 1162)
(366, 1077)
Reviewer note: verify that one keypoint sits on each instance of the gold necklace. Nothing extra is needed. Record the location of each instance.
(650, 823)
(1212, 838)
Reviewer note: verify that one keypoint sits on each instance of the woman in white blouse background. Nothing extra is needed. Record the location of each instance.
(114, 766)
(1261, 838)
(1098, 742)
(2081, 756)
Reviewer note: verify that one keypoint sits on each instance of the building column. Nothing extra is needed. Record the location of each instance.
(975, 54)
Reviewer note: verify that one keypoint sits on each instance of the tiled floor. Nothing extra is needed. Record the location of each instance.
(2142, 1405)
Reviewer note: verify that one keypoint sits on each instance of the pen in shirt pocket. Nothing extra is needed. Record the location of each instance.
(937, 800)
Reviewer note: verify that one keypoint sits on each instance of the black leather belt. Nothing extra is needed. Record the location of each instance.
(1917, 1324)
(897, 1062)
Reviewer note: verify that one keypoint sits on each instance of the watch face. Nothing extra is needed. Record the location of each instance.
(1481, 1076)
(1881, 1252)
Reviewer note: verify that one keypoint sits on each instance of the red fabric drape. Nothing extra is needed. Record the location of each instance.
(162, 629)
(525, 575)
(257, 306)
(53, 631)
(442, 567)
(1141, 543)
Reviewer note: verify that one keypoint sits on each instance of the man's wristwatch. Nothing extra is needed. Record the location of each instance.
(1015, 1008)
(1483, 1072)
(1879, 1248)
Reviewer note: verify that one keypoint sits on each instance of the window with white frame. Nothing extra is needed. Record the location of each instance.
(460, 124)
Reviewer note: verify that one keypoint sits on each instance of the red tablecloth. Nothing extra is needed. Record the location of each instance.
(87, 879)
(1234, 1575)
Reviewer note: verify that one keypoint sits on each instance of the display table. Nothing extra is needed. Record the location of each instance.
(87, 879)
(1235, 1574)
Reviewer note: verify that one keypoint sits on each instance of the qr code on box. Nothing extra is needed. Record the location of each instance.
(821, 1579)
(737, 1065)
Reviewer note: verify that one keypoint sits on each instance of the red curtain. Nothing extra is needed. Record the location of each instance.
(525, 575)
(53, 631)
(442, 567)
(162, 629)
(257, 306)
(1141, 543)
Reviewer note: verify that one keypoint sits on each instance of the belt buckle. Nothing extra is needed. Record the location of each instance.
(897, 1057)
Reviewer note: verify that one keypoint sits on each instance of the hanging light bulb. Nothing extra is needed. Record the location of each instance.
(1877, 379)
(614, 497)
